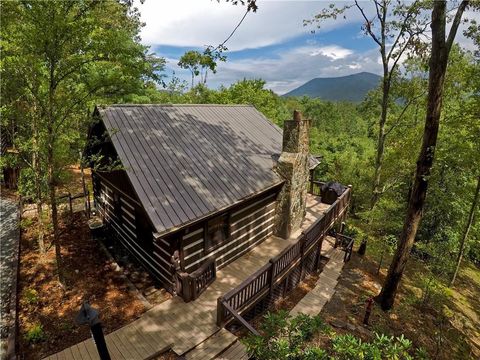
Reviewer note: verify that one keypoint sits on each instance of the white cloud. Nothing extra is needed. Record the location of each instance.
(195, 23)
(332, 51)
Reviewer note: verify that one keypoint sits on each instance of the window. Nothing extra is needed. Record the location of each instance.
(216, 231)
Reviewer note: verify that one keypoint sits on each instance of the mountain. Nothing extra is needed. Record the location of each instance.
(344, 88)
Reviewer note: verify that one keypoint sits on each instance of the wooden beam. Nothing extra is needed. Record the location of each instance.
(240, 319)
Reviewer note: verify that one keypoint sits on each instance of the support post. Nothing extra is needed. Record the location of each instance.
(272, 275)
(89, 315)
(302, 254)
(220, 313)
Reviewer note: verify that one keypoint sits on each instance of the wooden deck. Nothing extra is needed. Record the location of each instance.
(182, 326)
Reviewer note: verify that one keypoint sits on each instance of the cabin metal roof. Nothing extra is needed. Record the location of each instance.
(186, 162)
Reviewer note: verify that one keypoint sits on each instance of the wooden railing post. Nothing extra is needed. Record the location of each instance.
(271, 274)
(319, 252)
(220, 312)
(302, 254)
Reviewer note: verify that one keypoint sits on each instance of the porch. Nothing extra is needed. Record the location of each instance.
(182, 326)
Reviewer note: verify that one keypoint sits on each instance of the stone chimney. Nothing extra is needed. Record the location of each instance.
(292, 166)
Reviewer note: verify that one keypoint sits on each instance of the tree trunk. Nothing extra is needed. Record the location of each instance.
(84, 185)
(52, 176)
(38, 188)
(465, 233)
(438, 65)
(381, 137)
(41, 228)
(53, 205)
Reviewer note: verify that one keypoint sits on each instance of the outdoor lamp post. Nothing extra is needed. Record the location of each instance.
(89, 315)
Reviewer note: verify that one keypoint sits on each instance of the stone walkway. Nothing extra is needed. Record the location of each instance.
(9, 238)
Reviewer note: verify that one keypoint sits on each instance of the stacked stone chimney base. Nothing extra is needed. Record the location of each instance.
(293, 167)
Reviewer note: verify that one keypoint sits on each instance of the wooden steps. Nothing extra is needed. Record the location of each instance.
(212, 346)
(235, 352)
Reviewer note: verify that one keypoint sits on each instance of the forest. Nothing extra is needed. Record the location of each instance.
(61, 59)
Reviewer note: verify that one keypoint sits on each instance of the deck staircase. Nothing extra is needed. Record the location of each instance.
(212, 346)
(236, 351)
(315, 300)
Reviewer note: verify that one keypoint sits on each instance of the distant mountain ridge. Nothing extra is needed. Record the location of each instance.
(344, 88)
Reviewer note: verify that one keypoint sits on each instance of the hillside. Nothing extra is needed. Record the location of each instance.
(345, 88)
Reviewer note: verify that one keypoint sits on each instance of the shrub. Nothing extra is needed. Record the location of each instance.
(35, 333)
(26, 223)
(31, 296)
(434, 292)
(284, 337)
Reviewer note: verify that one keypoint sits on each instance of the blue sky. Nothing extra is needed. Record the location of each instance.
(271, 44)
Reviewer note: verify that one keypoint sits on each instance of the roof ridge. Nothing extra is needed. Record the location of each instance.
(173, 105)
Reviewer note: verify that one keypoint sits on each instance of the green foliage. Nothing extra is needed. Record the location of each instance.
(31, 296)
(348, 347)
(285, 337)
(58, 59)
(199, 64)
(35, 333)
(26, 222)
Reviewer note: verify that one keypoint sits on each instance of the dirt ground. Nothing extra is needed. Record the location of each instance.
(451, 323)
(46, 311)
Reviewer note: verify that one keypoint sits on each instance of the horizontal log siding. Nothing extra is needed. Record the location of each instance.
(249, 226)
(157, 262)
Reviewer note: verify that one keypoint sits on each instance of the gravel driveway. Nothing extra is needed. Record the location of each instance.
(9, 237)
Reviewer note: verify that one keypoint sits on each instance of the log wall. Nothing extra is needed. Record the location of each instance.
(128, 221)
(249, 224)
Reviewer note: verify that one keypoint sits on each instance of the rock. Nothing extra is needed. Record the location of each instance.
(338, 324)
(351, 327)
(364, 331)
(115, 267)
(377, 286)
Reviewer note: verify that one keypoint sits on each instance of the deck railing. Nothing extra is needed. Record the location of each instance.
(195, 283)
(284, 271)
(346, 244)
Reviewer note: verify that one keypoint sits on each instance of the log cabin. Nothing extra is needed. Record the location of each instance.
(190, 187)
